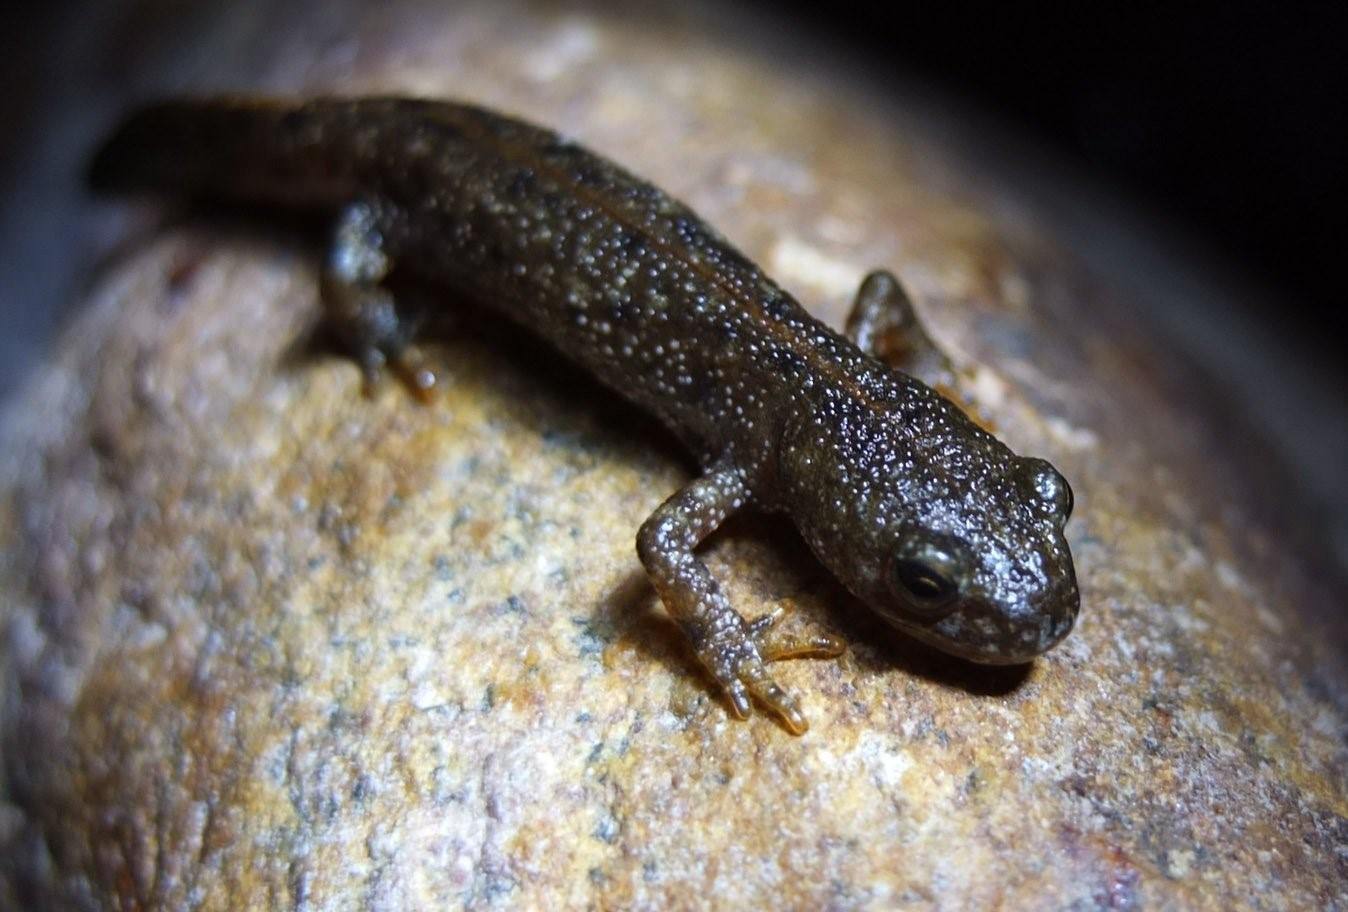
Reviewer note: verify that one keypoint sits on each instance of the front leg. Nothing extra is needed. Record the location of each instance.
(732, 649)
(884, 324)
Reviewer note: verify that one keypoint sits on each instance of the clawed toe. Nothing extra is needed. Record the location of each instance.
(417, 379)
(781, 703)
(738, 696)
(742, 671)
(775, 644)
(762, 624)
(732, 650)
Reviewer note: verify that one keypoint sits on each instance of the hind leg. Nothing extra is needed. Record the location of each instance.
(361, 310)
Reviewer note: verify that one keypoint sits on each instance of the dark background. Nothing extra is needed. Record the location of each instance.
(1231, 120)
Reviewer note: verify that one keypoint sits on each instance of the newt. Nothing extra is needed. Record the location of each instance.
(927, 518)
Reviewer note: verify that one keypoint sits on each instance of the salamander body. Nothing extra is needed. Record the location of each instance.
(929, 519)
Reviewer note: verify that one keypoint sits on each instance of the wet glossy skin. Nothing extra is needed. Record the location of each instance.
(930, 520)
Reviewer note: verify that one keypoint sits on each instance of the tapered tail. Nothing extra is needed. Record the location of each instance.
(243, 150)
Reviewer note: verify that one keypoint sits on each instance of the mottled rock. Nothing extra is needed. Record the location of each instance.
(270, 643)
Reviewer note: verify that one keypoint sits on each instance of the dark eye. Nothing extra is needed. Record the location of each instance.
(926, 581)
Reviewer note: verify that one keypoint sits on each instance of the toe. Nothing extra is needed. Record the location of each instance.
(783, 705)
(418, 379)
(738, 696)
(774, 697)
(372, 363)
(761, 625)
(777, 647)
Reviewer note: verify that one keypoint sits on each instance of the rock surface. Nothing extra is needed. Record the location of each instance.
(270, 643)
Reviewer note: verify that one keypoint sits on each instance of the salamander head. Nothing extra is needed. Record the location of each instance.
(934, 523)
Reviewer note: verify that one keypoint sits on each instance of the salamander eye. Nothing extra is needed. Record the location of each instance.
(1050, 488)
(926, 578)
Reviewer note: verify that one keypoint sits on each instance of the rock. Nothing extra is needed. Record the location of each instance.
(272, 643)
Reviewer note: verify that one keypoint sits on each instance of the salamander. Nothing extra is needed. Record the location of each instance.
(926, 517)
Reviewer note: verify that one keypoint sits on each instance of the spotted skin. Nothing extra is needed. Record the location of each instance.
(929, 519)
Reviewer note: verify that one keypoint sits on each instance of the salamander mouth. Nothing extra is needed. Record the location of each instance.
(980, 633)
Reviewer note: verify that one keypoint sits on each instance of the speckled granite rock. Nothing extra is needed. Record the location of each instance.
(268, 643)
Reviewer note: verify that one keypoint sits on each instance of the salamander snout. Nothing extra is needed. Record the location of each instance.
(982, 603)
(993, 632)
